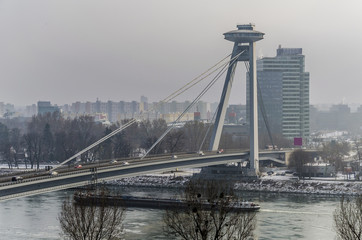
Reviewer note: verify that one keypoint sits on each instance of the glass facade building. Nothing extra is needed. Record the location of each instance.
(284, 87)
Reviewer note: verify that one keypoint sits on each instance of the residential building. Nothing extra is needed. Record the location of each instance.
(171, 117)
(46, 107)
(144, 104)
(203, 108)
(30, 110)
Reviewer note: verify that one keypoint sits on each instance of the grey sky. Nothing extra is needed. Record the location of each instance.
(69, 50)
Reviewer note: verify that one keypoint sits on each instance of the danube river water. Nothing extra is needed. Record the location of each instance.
(282, 216)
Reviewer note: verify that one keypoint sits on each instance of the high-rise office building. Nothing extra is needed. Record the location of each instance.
(284, 87)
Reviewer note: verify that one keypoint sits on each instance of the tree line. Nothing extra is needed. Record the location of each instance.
(50, 138)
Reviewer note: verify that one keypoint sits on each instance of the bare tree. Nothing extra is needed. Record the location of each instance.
(358, 157)
(33, 141)
(278, 140)
(88, 220)
(348, 219)
(217, 219)
(121, 146)
(194, 135)
(5, 144)
(174, 141)
(334, 153)
(149, 132)
(299, 159)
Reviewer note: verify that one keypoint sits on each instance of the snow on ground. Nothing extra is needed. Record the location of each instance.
(279, 184)
(285, 185)
(175, 178)
(151, 181)
(5, 170)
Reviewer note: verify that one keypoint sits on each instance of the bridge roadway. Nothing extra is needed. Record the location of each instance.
(81, 177)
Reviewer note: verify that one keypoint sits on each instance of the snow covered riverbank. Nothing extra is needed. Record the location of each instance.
(266, 184)
(302, 186)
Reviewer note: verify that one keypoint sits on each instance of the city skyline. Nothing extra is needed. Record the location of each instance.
(65, 51)
(78, 108)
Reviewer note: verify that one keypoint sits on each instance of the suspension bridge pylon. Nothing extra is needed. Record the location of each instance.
(244, 39)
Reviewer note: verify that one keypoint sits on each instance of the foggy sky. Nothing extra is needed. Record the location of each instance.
(71, 50)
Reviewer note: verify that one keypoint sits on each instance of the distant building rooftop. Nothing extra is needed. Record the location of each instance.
(46, 107)
(288, 51)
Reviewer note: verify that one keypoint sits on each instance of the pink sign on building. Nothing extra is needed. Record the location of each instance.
(298, 141)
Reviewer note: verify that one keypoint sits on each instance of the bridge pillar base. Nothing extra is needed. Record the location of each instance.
(250, 173)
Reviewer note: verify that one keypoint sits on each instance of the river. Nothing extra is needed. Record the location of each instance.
(282, 216)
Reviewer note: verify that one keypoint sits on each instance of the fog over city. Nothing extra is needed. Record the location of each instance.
(66, 51)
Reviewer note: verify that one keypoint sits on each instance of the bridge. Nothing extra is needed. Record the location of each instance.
(71, 179)
(244, 39)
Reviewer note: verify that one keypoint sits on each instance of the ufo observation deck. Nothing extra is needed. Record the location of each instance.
(244, 34)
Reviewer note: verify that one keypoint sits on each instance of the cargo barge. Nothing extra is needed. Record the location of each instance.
(156, 203)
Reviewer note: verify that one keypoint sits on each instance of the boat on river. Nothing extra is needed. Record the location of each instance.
(157, 203)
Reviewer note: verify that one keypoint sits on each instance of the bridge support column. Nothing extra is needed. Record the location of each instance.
(253, 99)
(224, 101)
(244, 49)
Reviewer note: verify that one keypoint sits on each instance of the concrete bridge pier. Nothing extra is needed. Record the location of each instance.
(244, 39)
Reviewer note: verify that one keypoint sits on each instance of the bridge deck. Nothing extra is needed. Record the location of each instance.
(38, 185)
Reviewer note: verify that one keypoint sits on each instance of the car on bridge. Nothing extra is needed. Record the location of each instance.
(220, 151)
(16, 178)
(78, 166)
(53, 173)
